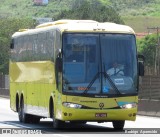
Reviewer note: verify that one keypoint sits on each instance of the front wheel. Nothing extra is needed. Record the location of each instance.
(118, 125)
(78, 122)
(57, 124)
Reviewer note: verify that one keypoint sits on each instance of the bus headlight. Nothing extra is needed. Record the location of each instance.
(128, 106)
(71, 105)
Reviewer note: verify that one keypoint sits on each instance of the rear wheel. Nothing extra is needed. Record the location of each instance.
(34, 119)
(23, 117)
(118, 125)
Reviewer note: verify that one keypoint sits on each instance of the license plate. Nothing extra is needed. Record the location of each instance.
(101, 115)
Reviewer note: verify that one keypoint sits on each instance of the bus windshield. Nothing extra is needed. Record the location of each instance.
(99, 63)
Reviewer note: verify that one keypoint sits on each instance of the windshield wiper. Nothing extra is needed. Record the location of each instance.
(91, 83)
(110, 80)
(106, 77)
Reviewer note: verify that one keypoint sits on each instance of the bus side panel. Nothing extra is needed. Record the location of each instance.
(36, 81)
(13, 73)
(13, 96)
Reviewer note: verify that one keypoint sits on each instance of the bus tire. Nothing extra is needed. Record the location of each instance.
(58, 124)
(35, 119)
(23, 117)
(118, 125)
(78, 122)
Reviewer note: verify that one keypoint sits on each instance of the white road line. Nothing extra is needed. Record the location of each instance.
(14, 124)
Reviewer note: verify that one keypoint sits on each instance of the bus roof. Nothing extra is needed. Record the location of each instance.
(79, 26)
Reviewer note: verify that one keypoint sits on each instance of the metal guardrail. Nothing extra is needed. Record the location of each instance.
(149, 96)
(4, 81)
(149, 107)
(150, 88)
(4, 93)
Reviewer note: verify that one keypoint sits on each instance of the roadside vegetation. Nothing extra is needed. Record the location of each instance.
(86, 10)
(139, 14)
(8, 27)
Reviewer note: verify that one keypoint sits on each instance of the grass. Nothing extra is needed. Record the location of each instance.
(140, 23)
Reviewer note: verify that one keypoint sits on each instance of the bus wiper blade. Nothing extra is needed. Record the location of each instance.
(91, 83)
(111, 82)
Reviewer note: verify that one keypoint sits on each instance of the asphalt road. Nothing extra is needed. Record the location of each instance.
(9, 119)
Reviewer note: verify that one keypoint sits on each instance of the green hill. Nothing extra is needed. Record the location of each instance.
(26, 8)
(141, 23)
(16, 14)
(135, 13)
(137, 7)
(139, 14)
(124, 7)
(19, 8)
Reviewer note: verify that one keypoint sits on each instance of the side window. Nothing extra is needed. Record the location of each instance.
(57, 41)
(35, 46)
(42, 46)
(24, 51)
(13, 51)
(50, 45)
(19, 49)
(30, 48)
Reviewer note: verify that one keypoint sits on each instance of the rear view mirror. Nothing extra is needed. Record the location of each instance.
(141, 57)
(12, 44)
(141, 60)
(141, 68)
(59, 64)
(59, 61)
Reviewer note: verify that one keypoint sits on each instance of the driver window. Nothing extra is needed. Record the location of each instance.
(75, 51)
(116, 70)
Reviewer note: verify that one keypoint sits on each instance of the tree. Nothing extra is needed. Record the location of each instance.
(91, 10)
(148, 47)
(8, 27)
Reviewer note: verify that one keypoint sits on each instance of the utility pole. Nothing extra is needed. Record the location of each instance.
(157, 55)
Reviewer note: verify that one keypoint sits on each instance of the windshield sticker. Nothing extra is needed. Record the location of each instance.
(105, 89)
(82, 88)
(119, 81)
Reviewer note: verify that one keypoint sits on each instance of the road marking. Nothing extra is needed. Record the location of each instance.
(14, 124)
(59, 135)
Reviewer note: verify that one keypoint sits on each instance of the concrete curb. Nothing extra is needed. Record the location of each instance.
(4, 93)
(149, 107)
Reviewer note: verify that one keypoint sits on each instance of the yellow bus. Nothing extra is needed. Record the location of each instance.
(75, 71)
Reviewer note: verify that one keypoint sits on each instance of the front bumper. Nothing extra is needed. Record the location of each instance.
(71, 114)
